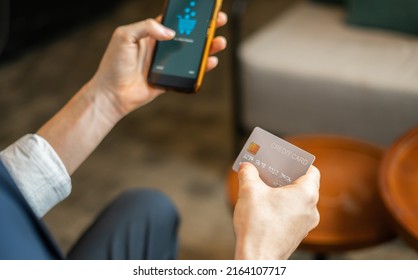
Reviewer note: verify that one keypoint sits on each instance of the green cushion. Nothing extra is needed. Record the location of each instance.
(399, 15)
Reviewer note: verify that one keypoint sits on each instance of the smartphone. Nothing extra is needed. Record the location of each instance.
(180, 64)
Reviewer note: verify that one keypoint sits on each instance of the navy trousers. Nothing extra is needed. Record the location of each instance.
(139, 224)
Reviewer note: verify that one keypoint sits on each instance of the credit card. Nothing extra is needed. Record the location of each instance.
(279, 162)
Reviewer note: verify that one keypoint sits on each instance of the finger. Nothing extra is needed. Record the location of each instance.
(248, 174)
(218, 44)
(313, 175)
(222, 19)
(213, 61)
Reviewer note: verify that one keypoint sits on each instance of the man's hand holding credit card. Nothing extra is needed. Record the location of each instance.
(279, 162)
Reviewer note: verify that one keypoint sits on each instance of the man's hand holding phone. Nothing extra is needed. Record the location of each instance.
(122, 74)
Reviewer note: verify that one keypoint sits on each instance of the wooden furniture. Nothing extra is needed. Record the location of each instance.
(352, 213)
(399, 185)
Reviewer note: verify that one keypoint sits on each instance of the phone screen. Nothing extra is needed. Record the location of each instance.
(182, 56)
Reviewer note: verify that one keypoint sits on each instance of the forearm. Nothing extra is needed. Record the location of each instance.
(79, 127)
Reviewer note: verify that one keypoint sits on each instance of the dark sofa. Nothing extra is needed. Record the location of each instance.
(24, 23)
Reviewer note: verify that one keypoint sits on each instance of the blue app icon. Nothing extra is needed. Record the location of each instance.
(187, 20)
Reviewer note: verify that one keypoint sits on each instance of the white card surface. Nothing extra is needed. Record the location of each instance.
(279, 162)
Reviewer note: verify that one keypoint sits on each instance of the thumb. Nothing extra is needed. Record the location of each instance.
(149, 27)
(248, 174)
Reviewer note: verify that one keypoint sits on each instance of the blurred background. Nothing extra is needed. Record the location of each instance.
(180, 144)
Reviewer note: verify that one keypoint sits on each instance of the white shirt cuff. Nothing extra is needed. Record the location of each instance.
(38, 172)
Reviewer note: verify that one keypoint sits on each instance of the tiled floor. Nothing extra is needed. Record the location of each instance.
(179, 144)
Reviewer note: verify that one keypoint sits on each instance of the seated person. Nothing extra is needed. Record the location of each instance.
(35, 174)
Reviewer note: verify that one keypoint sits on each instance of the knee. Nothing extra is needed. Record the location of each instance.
(150, 203)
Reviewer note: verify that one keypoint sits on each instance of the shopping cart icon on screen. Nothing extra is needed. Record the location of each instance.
(186, 25)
